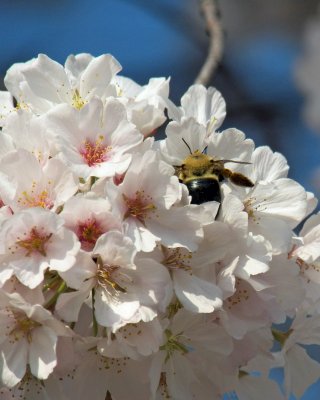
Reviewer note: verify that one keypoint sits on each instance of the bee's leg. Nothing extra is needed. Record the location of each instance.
(237, 178)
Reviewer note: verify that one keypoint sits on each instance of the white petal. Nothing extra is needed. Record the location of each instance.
(47, 79)
(300, 371)
(310, 250)
(268, 166)
(98, 75)
(284, 199)
(113, 312)
(13, 360)
(42, 352)
(256, 387)
(69, 304)
(204, 105)
(185, 232)
(6, 105)
(195, 294)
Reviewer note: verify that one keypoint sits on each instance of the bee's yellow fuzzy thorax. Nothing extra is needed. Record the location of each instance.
(197, 160)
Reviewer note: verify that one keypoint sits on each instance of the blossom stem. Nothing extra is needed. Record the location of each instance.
(51, 282)
(62, 288)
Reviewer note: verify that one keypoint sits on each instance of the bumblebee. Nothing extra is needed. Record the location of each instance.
(202, 175)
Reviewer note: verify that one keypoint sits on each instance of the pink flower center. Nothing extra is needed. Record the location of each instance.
(35, 243)
(95, 153)
(138, 207)
(88, 233)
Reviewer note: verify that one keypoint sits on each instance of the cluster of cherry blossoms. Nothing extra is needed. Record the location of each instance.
(113, 285)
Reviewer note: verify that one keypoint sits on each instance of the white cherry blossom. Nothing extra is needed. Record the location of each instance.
(274, 209)
(33, 240)
(42, 83)
(179, 364)
(205, 105)
(95, 141)
(29, 132)
(89, 217)
(126, 290)
(47, 186)
(145, 104)
(29, 335)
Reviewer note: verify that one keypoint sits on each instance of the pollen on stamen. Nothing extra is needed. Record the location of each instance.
(38, 155)
(305, 267)
(21, 105)
(111, 279)
(140, 206)
(94, 153)
(35, 242)
(36, 199)
(77, 100)
(251, 209)
(177, 259)
(241, 294)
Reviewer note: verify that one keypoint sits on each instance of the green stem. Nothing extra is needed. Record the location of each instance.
(62, 288)
(51, 282)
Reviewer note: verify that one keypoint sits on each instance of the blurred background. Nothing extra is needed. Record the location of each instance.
(263, 42)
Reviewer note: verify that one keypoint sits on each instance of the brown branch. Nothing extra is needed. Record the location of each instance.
(210, 14)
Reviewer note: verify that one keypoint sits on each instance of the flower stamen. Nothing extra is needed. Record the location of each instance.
(139, 206)
(77, 101)
(106, 279)
(95, 153)
(35, 243)
(34, 199)
(174, 344)
(175, 259)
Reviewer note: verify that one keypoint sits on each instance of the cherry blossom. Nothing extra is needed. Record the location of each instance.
(42, 83)
(112, 284)
(29, 336)
(33, 240)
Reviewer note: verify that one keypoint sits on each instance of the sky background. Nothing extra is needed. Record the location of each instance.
(263, 41)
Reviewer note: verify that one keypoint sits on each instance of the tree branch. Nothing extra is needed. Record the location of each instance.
(210, 14)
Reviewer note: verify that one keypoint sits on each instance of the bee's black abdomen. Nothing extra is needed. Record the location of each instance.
(204, 189)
